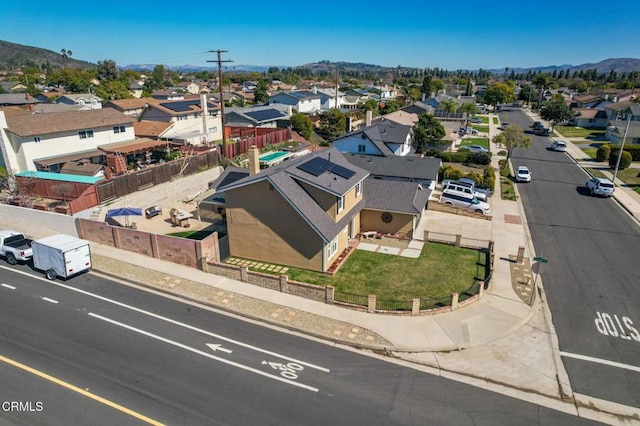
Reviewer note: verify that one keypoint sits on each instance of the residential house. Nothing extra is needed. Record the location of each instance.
(88, 99)
(130, 107)
(304, 101)
(617, 95)
(585, 101)
(168, 95)
(590, 117)
(299, 213)
(47, 141)
(136, 88)
(620, 110)
(12, 86)
(617, 130)
(383, 138)
(330, 98)
(187, 86)
(262, 116)
(194, 120)
(18, 99)
(422, 170)
(393, 206)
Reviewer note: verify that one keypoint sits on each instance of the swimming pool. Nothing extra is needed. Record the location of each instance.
(273, 156)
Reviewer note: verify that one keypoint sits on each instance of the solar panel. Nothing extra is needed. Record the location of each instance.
(317, 166)
(343, 172)
(181, 106)
(265, 114)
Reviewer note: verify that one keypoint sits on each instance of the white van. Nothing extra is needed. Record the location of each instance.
(464, 200)
(466, 186)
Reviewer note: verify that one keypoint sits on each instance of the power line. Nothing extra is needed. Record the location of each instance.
(220, 61)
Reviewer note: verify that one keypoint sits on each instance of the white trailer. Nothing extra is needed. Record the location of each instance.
(61, 255)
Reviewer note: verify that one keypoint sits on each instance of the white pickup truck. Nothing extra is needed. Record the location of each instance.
(15, 246)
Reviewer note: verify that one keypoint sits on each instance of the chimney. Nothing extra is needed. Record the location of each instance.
(368, 119)
(205, 113)
(254, 160)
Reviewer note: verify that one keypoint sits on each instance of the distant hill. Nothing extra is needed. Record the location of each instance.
(12, 55)
(197, 68)
(619, 65)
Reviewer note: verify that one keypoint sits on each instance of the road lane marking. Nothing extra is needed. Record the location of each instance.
(205, 354)
(79, 390)
(169, 320)
(8, 286)
(46, 299)
(601, 361)
(218, 347)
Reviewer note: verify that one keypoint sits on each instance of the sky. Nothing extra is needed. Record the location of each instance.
(412, 33)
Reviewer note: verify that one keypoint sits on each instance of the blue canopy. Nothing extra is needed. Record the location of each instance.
(124, 211)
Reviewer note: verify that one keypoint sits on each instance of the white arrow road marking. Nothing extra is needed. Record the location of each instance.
(8, 286)
(169, 320)
(218, 347)
(205, 354)
(46, 299)
(601, 361)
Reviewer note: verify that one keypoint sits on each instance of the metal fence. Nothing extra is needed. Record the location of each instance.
(435, 302)
(354, 299)
(394, 305)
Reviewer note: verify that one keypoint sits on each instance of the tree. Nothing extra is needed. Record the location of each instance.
(527, 92)
(427, 86)
(469, 107)
(302, 124)
(333, 123)
(107, 71)
(513, 137)
(390, 106)
(448, 105)
(556, 110)
(428, 131)
(542, 82)
(499, 93)
(261, 92)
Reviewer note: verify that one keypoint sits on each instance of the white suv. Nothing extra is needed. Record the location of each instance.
(463, 200)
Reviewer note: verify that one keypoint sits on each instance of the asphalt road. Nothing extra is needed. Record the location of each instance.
(151, 355)
(592, 277)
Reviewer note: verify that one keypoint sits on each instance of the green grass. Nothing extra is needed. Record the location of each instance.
(495, 120)
(591, 152)
(580, 132)
(439, 271)
(481, 129)
(475, 141)
(629, 176)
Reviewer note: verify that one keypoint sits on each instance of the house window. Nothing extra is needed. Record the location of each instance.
(84, 134)
(340, 204)
(362, 148)
(119, 129)
(36, 139)
(358, 189)
(332, 248)
(182, 117)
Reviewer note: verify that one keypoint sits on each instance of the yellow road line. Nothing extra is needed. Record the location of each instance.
(79, 390)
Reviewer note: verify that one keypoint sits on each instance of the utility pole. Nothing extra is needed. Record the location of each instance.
(220, 61)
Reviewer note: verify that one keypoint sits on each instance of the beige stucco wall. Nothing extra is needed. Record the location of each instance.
(371, 221)
(329, 202)
(263, 226)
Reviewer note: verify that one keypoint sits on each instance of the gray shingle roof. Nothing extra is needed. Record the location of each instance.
(395, 196)
(286, 177)
(381, 133)
(421, 168)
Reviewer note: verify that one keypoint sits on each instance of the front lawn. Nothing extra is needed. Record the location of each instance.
(580, 132)
(439, 271)
(484, 142)
(481, 129)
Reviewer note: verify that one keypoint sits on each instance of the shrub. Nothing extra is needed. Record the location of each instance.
(633, 149)
(475, 176)
(483, 158)
(450, 172)
(488, 178)
(502, 152)
(625, 159)
(603, 153)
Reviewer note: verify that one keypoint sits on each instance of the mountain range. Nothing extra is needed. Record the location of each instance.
(15, 55)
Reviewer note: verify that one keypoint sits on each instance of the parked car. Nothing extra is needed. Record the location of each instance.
(558, 146)
(542, 132)
(467, 130)
(517, 104)
(475, 120)
(468, 186)
(503, 125)
(537, 125)
(476, 148)
(600, 186)
(523, 174)
(463, 200)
